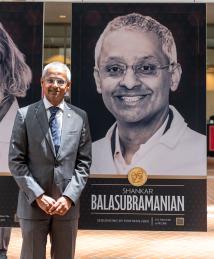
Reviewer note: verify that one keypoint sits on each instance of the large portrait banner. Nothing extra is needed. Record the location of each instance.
(139, 71)
(21, 39)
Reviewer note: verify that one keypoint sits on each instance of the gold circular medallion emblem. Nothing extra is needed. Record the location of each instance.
(137, 176)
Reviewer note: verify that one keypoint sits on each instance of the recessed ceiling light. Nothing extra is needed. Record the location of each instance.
(62, 16)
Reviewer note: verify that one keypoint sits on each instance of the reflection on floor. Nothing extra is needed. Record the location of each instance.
(140, 244)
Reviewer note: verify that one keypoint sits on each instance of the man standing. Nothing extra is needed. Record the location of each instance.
(50, 157)
(135, 69)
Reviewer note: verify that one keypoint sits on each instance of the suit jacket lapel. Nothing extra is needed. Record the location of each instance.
(41, 116)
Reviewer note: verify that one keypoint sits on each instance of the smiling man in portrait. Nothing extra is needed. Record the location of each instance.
(135, 70)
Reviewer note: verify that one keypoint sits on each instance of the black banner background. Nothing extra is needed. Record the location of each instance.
(188, 25)
(24, 23)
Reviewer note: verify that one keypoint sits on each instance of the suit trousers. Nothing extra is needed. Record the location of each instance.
(62, 238)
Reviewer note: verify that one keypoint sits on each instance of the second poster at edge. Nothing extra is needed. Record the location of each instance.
(21, 44)
(146, 110)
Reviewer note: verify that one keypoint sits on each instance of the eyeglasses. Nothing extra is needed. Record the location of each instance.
(140, 69)
(58, 81)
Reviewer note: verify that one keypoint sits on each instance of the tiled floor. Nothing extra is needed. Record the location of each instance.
(139, 244)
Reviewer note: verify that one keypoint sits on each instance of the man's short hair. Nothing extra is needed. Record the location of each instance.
(138, 22)
(14, 72)
(57, 65)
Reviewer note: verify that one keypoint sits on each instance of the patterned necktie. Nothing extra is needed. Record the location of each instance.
(55, 129)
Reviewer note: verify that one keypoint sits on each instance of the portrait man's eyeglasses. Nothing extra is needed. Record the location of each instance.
(140, 70)
(58, 81)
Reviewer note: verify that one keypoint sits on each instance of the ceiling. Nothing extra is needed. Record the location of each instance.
(53, 10)
(210, 13)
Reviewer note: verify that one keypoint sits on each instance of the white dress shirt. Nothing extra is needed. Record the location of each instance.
(179, 151)
(120, 162)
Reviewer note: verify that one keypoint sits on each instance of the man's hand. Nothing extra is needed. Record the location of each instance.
(61, 206)
(45, 202)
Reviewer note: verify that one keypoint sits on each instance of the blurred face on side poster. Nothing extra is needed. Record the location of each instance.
(136, 68)
(15, 80)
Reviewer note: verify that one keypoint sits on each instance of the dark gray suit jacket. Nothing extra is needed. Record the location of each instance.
(35, 166)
